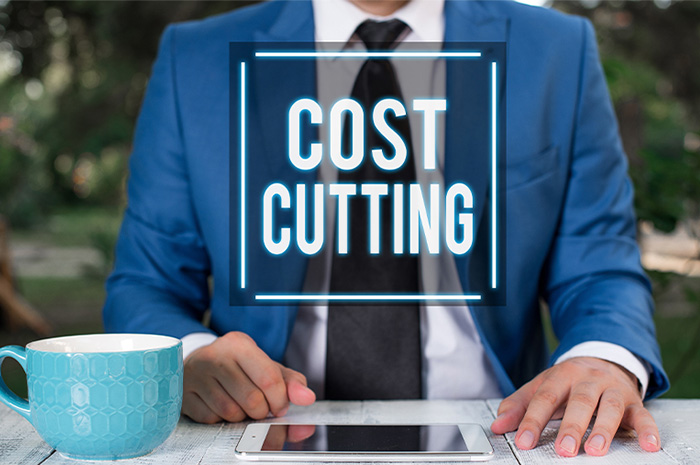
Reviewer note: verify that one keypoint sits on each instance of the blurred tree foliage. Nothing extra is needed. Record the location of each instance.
(651, 58)
(72, 76)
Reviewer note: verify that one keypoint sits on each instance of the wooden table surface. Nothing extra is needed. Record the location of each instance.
(191, 443)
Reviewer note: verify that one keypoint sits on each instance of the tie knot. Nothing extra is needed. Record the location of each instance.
(380, 35)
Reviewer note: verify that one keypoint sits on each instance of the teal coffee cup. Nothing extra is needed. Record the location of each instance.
(101, 396)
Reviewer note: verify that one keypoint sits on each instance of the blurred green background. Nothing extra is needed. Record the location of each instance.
(73, 73)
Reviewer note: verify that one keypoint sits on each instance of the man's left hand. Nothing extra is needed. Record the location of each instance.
(577, 389)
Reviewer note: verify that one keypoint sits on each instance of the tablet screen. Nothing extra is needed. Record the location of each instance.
(364, 438)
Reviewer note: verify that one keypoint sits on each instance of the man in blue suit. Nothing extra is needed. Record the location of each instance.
(570, 236)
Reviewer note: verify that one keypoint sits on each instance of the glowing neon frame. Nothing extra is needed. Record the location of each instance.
(374, 297)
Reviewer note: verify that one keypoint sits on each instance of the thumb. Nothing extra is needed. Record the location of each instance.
(297, 390)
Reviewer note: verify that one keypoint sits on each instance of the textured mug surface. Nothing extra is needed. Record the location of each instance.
(105, 396)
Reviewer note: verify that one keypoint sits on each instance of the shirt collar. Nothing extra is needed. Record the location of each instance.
(336, 20)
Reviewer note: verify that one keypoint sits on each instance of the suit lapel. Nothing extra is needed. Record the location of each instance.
(278, 82)
(468, 22)
(274, 84)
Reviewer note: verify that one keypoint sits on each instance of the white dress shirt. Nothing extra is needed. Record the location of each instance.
(454, 364)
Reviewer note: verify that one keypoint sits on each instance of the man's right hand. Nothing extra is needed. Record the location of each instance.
(232, 378)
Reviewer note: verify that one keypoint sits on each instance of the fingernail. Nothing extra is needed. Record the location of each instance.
(283, 412)
(500, 417)
(527, 440)
(597, 442)
(568, 444)
(651, 439)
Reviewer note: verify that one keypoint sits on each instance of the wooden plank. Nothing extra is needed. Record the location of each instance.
(679, 425)
(214, 444)
(374, 412)
(19, 441)
(187, 445)
(624, 450)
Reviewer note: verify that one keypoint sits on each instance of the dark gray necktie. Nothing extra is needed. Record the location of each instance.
(374, 351)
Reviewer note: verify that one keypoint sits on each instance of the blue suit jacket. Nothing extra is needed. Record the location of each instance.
(571, 226)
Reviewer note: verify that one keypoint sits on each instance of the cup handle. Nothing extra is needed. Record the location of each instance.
(8, 397)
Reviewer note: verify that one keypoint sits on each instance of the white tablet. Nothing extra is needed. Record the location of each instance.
(364, 443)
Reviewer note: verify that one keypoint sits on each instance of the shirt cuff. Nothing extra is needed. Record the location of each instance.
(615, 354)
(194, 341)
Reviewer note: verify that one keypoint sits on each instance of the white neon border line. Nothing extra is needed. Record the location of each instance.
(368, 297)
(494, 128)
(368, 54)
(359, 297)
(243, 168)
